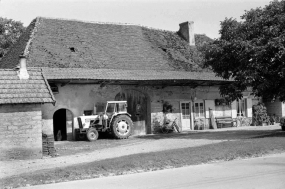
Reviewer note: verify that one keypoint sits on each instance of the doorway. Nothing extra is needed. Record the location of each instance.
(138, 108)
(185, 115)
(62, 125)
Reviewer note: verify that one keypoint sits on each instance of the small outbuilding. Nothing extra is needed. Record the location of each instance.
(22, 93)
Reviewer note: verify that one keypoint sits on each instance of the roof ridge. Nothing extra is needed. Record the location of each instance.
(32, 35)
(110, 23)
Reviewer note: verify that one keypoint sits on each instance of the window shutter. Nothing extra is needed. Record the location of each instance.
(234, 109)
(209, 104)
(249, 107)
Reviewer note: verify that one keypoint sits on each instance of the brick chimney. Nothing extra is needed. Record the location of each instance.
(23, 73)
(186, 31)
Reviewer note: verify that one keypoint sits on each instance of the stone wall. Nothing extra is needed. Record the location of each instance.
(20, 131)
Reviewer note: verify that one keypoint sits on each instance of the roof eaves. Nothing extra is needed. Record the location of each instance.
(49, 89)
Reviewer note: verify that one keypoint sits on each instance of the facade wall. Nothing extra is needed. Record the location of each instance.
(20, 131)
(80, 97)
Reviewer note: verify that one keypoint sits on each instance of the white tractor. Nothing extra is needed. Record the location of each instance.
(115, 119)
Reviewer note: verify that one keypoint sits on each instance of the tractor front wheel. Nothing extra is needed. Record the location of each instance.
(92, 134)
(121, 127)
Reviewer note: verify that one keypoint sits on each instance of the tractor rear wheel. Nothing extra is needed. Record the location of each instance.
(121, 127)
(92, 134)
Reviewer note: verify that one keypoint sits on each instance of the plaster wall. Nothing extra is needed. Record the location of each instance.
(174, 96)
(80, 97)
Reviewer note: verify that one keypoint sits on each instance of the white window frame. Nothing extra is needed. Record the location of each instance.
(200, 115)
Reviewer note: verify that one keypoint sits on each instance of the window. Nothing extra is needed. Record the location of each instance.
(241, 107)
(87, 112)
(223, 108)
(185, 110)
(121, 107)
(111, 108)
(199, 109)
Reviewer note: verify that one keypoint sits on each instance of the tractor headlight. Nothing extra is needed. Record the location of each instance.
(105, 117)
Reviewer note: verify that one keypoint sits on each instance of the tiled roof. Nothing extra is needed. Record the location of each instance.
(33, 90)
(125, 75)
(58, 43)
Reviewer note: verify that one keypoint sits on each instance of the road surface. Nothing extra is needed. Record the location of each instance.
(263, 172)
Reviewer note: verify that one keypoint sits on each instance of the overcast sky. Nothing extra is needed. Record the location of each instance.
(161, 14)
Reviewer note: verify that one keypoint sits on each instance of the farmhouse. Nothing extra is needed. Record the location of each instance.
(160, 73)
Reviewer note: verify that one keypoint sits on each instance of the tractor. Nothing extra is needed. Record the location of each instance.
(115, 119)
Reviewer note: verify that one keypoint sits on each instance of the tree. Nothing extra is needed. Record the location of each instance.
(10, 31)
(252, 53)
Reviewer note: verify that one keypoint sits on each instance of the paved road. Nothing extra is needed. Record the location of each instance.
(264, 172)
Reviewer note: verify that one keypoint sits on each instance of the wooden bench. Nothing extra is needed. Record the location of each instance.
(221, 121)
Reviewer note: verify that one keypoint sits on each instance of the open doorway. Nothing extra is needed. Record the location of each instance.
(62, 125)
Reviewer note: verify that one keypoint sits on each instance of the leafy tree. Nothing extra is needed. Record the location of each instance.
(252, 53)
(10, 31)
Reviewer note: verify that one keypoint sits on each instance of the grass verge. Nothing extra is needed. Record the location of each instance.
(224, 151)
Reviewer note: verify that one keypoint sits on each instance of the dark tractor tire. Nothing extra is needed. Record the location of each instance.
(92, 134)
(283, 128)
(121, 127)
(79, 137)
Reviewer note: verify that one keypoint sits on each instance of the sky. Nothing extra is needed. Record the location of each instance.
(160, 14)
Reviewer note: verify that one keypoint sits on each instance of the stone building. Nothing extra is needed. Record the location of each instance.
(22, 94)
(156, 71)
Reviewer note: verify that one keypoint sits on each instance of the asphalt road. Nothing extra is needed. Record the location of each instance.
(264, 172)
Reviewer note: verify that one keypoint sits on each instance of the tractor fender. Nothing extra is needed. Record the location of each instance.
(115, 115)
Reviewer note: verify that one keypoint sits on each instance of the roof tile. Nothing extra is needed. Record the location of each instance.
(33, 90)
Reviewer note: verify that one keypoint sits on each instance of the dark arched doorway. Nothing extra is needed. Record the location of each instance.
(138, 108)
(62, 125)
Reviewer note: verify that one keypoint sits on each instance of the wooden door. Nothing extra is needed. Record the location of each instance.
(137, 107)
(186, 115)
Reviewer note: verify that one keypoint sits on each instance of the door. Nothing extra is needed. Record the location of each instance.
(137, 107)
(186, 115)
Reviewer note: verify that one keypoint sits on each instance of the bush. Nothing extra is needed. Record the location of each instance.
(260, 114)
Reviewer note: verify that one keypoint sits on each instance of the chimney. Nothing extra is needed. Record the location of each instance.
(186, 31)
(23, 73)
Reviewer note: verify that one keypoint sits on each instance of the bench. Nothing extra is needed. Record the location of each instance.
(221, 121)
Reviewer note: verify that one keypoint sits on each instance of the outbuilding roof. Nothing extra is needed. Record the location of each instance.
(33, 90)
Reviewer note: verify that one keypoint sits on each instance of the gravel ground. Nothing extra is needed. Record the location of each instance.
(152, 143)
